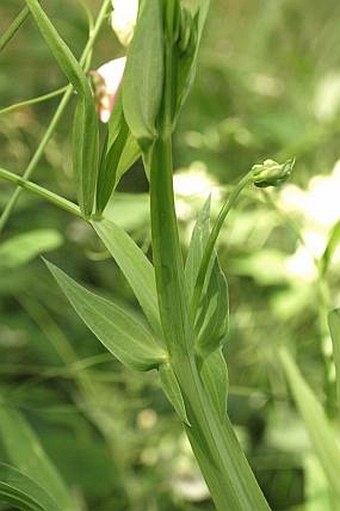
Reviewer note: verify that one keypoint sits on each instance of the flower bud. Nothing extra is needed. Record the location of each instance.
(271, 173)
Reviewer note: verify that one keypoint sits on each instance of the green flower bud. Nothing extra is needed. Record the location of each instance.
(186, 31)
(271, 173)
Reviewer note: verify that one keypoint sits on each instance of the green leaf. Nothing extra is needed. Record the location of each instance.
(187, 62)
(213, 314)
(199, 239)
(334, 327)
(118, 330)
(137, 269)
(333, 240)
(173, 391)
(22, 248)
(212, 319)
(108, 168)
(143, 77)
(22, 492)
(129, 156)
(85, 154)
(214, 375)
(129, 211)
(86, 136)
(119, 153)
(323, 439)
(24, 450)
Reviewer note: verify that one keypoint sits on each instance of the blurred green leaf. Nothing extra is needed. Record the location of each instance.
(143, 77)
(22, 248)
(334, 327)
(118, 330)
(135, 266)
(173, 391)
(214, 374)
(85, 128)
(22, 492)
(129, 211)
(25, 452)
(323, 439)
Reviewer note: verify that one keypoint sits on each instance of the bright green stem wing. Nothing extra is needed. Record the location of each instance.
(334, 326)
(118, 330)
(86, 123)
(323, 439)
(24, 450)
(135, 266)
(23, 493)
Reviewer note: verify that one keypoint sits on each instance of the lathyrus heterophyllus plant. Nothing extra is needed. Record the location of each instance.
(185, 305)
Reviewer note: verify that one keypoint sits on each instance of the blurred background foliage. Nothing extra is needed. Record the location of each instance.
(268, 86)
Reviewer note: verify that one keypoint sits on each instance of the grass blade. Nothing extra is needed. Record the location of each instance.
(334, 327)
(323, 439)
(24, 450)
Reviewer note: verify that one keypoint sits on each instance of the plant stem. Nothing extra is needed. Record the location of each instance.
(55, 119)
(14, 27)
(51, 197)
(33, 101)
(224, 466)
(226, 208)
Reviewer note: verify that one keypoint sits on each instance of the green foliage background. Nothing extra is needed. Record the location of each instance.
(263, 67)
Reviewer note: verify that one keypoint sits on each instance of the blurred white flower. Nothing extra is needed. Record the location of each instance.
(319, 208)
(194, 181)
(106, 81)
(319, 203)
(327, 97)
(123, 19)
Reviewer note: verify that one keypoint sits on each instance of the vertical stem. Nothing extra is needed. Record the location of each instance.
(223, 464)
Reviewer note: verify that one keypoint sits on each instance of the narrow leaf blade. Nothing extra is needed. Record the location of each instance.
(199, 239)
(143, 77)
(119, 331)
(22, 492)
(137, 269)
(334, 327)
(323, 439)
(25, 452)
